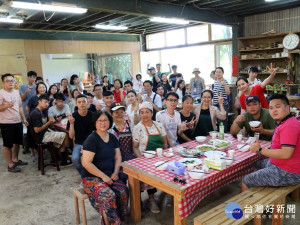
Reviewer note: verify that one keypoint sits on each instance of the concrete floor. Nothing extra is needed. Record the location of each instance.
(28, 198)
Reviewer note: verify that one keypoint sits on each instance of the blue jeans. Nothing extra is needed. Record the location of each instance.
(76, 155)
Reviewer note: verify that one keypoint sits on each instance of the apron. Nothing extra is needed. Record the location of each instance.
(154, 140)
(125, 140)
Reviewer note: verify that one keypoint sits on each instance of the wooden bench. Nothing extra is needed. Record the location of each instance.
(251, 197)
(79, 193)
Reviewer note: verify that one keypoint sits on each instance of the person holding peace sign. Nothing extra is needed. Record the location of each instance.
(189, 117)
(258, 90)
(207, 115)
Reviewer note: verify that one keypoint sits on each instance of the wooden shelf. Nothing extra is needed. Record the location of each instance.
(260, 49)
(263, 58)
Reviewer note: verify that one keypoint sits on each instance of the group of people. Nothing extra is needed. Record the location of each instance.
(115, 124)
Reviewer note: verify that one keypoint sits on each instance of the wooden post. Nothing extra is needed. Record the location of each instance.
(135, 199)
(77, 216)
(258, 221)
(279, 215)
(177, 219)
(296, 195)
(83, 212)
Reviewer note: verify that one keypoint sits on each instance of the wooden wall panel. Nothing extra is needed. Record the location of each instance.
(9, 62)
(54, 46)
(87, 46)
(32, 50)
(71, 47)
(282, 21)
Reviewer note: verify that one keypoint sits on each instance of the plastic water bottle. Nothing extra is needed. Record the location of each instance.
(221, 131)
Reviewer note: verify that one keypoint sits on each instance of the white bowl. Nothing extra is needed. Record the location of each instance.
(168, 154)
(194, 175)
(200, 138)
(150, 155)
(211, 132)
(164, 166)
(243, 149)
(254, 124)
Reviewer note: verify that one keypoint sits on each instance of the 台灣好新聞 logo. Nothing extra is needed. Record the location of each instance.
(233, 210)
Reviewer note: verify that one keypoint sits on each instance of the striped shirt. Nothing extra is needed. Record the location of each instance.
(219, 88)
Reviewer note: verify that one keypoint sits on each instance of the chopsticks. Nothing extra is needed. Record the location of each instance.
(201, 171)
(161, 164)
(243, 146)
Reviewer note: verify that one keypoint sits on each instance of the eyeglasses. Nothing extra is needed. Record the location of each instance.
(102, 121)
(172, 100)
(9, 81)
(180, 180)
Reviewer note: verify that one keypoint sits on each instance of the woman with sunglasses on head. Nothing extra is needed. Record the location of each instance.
(148, 135)
(243, 85)
(207, 115)
(101, 161)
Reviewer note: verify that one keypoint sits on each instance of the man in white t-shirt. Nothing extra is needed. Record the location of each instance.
(171, 120)
(11, 112)
(152, 97)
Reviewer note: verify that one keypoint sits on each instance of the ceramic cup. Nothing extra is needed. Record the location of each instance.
(231, 154)
(159, 152)
(239, 137)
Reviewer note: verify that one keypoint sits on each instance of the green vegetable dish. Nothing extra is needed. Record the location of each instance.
(223, 144)
(205, 148)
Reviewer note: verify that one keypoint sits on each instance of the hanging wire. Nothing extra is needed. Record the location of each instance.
(45, 14)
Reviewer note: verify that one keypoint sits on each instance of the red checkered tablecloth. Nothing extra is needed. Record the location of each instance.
(196, 190)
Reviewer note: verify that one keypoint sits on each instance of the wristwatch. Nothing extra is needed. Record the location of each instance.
(258, 152)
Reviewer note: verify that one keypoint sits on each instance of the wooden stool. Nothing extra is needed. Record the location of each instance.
(54, 161)
(79, 193)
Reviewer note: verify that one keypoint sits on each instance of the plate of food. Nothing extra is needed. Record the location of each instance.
(205, 148)
(210, 154)
(220, 144)
(193, 161)
(190, 152)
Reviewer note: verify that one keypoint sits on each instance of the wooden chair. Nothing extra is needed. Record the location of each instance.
(79, 193)
(54, 160)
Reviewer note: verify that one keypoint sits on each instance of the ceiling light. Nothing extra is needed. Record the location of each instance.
(271, 0)
(44, 7)
(108, 27)
(10, 20)
(169, 20)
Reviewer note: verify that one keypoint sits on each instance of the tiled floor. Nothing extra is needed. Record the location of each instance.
(28, 198)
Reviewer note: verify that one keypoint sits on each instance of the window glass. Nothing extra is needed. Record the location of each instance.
(175, 37)
(197, 34)
(224, 59)
(220, 32)
(156, 40)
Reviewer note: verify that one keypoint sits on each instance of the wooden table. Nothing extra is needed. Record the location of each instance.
(187, 196)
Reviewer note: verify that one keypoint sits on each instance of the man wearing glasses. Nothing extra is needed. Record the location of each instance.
(11, 111)
(170, 119)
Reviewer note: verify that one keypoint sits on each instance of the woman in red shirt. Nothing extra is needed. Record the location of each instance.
(119, 94)
(258, 90)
